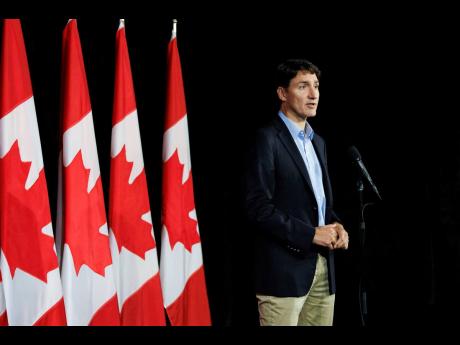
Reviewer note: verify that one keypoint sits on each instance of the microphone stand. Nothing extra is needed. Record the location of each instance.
(362, 298)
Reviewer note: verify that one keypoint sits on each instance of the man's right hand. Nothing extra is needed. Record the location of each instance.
(325, 236)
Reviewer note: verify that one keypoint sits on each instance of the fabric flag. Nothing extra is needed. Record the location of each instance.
(181, 264)
(30, 284)
(3, 316)
(132, 241)
(87, 272)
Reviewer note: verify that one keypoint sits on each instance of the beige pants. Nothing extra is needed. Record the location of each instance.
(316, 308)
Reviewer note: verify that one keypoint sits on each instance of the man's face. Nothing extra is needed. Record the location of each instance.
(301, 98)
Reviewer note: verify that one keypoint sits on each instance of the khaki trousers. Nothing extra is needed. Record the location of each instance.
(316, 308)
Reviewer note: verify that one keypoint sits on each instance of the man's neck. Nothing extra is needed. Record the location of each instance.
(299, 121)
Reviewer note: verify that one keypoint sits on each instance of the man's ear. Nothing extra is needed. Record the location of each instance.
(281, 93)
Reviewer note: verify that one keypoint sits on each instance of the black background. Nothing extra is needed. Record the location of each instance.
(376, 94)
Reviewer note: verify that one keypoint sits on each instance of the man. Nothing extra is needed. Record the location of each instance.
(289, 200)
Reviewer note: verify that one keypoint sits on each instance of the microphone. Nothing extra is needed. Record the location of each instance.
(356, 157)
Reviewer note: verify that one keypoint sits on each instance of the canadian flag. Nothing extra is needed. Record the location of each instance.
(134, 252)
(181, 265)
(87, 272)
(30, 284)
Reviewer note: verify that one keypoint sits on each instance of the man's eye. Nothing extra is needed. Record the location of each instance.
(301, 87)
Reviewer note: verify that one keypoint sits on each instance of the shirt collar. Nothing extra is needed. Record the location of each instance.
(296, 132)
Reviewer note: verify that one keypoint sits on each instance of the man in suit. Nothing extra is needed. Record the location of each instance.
(289, 202)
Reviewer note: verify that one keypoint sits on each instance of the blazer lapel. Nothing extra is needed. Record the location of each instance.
(291, 147)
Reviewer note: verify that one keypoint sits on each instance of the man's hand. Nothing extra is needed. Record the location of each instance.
(332, 236)
(326, 235)
(342, 240)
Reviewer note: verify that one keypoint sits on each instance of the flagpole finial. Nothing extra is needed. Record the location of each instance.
(174, 27)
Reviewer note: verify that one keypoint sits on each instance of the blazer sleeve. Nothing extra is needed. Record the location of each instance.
(261, 210)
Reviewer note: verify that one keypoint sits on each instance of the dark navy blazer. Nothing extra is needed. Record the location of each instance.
(282, 208)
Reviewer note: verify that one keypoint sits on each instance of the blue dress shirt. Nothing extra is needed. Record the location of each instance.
(303, 140)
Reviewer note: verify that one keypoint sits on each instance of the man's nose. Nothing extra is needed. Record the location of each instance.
(312, 93)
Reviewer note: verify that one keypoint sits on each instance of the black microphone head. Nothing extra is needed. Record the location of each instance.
(354, 153)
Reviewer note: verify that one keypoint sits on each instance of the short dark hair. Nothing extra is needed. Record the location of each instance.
(287, 70)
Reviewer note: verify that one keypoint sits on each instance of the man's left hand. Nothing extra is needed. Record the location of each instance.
(342, 237)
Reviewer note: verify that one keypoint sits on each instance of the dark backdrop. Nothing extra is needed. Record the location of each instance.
(373, 96)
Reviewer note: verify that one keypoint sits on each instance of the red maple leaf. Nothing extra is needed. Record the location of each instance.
(23, 214)
(178, 201)
(129, 202)
(84, 214)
